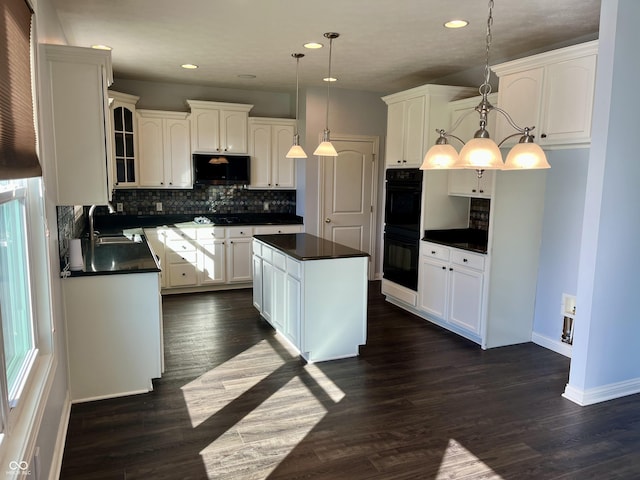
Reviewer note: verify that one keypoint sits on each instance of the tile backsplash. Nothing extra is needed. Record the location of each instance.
(479, 213)
(204, 199)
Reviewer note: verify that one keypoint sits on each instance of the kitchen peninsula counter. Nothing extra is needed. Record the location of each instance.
(313, 292)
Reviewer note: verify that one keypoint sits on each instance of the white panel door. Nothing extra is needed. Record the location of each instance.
(348, 186)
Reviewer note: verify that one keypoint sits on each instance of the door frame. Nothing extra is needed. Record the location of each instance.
(343, 137)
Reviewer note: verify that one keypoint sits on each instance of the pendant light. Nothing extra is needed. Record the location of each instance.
(296, 150)
(326, 149)
(481, 152)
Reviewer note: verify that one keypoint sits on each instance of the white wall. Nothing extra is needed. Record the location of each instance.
(605, 358)
(350, 113)
(561, 232)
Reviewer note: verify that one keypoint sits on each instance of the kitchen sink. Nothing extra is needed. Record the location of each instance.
(117, 239)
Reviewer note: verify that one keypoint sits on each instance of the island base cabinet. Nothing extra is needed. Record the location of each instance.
(318, 306)
(334, 308)
(114, 334)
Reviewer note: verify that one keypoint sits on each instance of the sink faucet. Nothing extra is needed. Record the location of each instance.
(92, 233)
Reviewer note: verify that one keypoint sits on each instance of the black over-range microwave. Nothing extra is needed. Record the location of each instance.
(219, 169)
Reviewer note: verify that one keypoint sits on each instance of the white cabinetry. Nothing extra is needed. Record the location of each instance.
(165, 155)
(124, 139)
(321, 327)
(412, 117)
(114, 347)
(552, 91)
(239, 254)
(211, 255)
(218, 127)
(451, 286)
(269, 142)
(76, 107)
(156, 239)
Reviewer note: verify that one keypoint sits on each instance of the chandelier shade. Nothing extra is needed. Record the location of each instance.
(296, 151)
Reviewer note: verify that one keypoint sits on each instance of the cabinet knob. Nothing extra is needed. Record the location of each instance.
(473, 190)
(451, 269)
(433, 252)
(170, 183)
(544, 135)
(161, 183)
(184, 274)
(399, 161)
(444, 268)
(481, 191)
(465, 260)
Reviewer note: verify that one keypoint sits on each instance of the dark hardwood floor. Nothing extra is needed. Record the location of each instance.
(418, 403)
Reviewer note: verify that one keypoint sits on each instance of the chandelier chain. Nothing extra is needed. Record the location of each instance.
(485, 88)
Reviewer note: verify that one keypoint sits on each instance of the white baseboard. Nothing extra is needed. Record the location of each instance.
(58, 451)
(603, 393)
(552, 344)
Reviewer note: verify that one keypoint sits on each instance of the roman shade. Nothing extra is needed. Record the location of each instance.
(18, 157)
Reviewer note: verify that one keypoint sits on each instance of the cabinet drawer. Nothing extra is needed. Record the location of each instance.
(182, 274)
(238, 232)
(182, 257)
(181, 246)
(280, 260)
(294, 268)
(206, 233)
(274, 229)
(466, 259)
(179, 233)
(434, 250)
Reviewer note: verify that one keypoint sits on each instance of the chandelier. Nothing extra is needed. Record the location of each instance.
(481, 153)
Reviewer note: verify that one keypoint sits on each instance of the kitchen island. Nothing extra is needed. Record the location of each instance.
(313, 292)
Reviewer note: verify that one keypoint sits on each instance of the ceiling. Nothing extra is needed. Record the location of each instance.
(384, 45)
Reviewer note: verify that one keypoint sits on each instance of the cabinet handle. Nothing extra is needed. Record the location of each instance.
(184, 274)
(451, 269)
(241, 233)
(433, 252)
(277, 184)
(473, 190)
(444, 268)
(161, 183)
(465, 260)
(544, 135)
(170, 183)
(399, 161)
(481, 191)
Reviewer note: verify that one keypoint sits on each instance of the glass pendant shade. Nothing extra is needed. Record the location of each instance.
(526, 156)
(296, 151)
(440, 157)
(481, 154)
(326, 149)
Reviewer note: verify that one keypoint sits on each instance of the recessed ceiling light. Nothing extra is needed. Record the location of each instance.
(313, 45)
(247, 76)
(101, 47)
(189, 66)
(456, 23)
(329, 79)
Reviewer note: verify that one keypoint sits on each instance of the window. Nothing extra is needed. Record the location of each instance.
(16, 310)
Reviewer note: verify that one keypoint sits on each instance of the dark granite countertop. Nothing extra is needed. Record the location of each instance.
(106, 259)
(470, 239)
(303, 246)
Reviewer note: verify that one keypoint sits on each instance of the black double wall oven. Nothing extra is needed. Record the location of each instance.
(402, 212)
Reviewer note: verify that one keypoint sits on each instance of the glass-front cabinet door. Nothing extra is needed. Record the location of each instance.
(123, 127)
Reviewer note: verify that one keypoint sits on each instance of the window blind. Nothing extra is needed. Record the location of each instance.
(18, 157)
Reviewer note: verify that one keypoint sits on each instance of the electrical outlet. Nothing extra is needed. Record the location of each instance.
(158, 206)
(265, 206)
(119, 207)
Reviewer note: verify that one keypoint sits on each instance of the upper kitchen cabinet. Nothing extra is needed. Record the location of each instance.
(552, 91)
(218, 127)
(76, 105)
(269, 142)
(465, 182)
(123, 136)
(164, 149)
(412, 117)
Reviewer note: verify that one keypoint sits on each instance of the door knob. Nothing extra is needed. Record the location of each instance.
(327, 220)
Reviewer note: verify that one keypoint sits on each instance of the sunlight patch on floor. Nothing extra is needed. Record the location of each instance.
(268, 434)
(331, 389)
(458, 462)
(212, 391)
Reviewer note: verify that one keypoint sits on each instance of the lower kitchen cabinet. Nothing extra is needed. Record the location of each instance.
(114, 334)
(451, 287)
(321, 327)
(206, 257)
